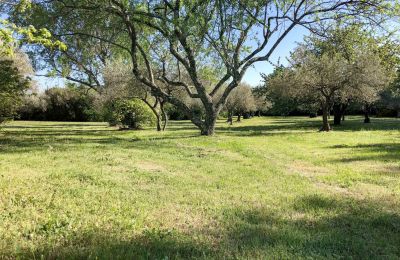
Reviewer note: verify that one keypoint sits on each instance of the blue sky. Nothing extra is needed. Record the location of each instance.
(252, 76)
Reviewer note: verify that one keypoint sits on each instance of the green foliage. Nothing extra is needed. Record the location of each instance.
(72, 103)
(13, 85)
(132, 114)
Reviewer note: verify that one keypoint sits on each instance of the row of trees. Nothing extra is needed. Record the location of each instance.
(189, 54)
(345, 66)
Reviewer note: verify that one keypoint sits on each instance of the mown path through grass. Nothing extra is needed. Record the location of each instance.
(264, 188)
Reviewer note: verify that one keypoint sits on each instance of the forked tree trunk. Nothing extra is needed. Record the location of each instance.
(325, 119)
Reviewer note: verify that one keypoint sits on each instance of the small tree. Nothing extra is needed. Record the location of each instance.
(239, 102)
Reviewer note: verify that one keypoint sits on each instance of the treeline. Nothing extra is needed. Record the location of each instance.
(71, 103)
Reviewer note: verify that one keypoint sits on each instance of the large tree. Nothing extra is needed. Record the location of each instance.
(187, 36)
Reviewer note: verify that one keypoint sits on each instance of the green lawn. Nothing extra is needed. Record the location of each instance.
(264, 188)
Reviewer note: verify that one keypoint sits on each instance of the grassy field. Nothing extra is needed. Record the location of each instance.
(263, 188)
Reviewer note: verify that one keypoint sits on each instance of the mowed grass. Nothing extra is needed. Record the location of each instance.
(272, 188)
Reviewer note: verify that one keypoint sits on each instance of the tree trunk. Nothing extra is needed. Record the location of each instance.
(208, 126)
(398, 113)
(337, 114)
(343, 117)
(239, 118)
(230, 118)
(158, 122)
(367, 120)
(325, 120)
(164, 116)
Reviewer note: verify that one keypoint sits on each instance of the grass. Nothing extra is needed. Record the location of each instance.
(270, 188)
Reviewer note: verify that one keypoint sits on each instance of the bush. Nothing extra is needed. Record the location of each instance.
(130, 114)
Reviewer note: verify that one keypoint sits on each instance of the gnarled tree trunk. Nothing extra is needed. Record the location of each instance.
(208, 126)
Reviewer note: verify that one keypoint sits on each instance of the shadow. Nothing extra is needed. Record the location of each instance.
(370, 152)
(290, 125)
(314, 226)
(99, 244)
(319, 227)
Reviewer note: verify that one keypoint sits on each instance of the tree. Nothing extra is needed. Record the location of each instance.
(390, 97)
(14, 82)
(190, 35)
(279, 103)
(324, 78)
(348, 41)
(239, 102)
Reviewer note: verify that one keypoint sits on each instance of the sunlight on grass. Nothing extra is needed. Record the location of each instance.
(264, 188)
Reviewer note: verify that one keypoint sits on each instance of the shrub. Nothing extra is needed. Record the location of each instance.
(130, 114)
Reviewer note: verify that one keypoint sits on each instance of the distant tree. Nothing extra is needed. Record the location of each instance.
(322, 78)
(390, 97)
(15, 80)
(239, 102)
(279, 103)
(355, 43)
(70, 103)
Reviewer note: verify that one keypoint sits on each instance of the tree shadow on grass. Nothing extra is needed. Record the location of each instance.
(370, 152)
(314, 226)
(292, 125)
(320, 227)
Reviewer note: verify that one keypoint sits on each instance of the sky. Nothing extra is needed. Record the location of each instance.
(253, 74)
(282, 52)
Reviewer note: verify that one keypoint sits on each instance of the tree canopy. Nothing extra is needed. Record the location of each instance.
(176, 42)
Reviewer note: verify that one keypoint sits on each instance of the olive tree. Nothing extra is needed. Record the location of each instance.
(322, 78)
(360, 45)
(240, 101)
